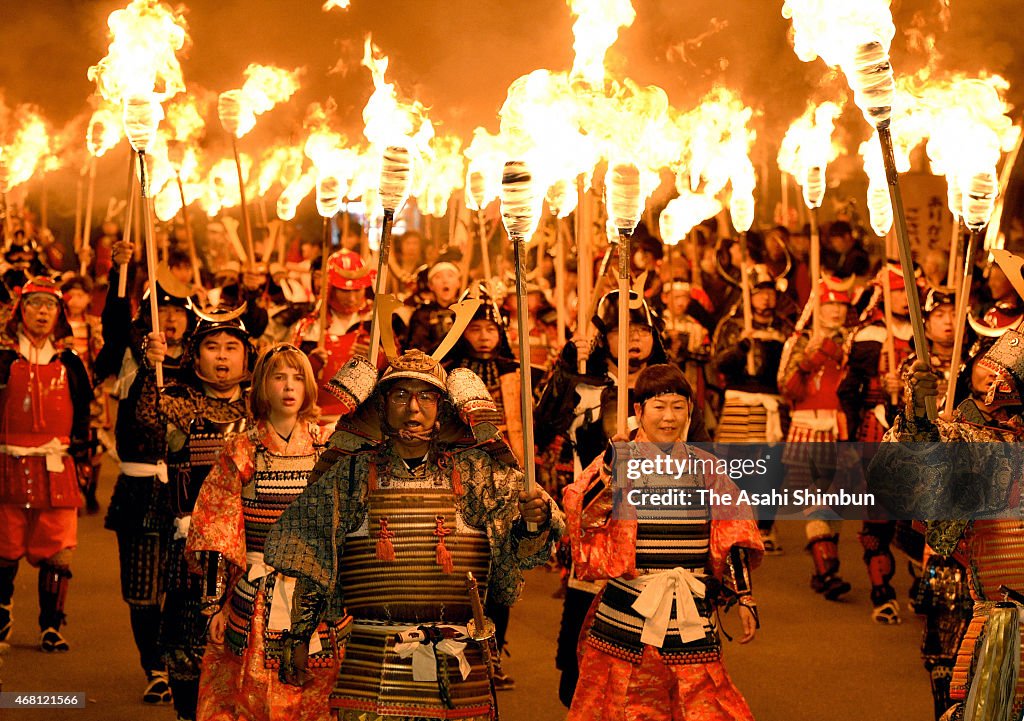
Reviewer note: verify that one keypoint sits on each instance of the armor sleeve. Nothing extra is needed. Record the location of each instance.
(307, 541)
(217, 520)
(556, 408)
(116, 316)
(736, 576)
(949, 470)
(729, 352)
(491, 501)
(602, 546)
(861, 366)
(81, 401)
(792, 377)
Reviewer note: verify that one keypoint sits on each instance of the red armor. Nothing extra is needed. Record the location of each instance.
(37, 409)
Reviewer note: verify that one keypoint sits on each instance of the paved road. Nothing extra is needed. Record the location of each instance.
(812, 661)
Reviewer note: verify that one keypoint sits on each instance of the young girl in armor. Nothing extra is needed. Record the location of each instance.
(254, 479)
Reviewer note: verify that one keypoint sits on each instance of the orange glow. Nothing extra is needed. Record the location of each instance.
(808, 148)
(595, 30)
(103, 132)
(28, 144)
(265, 86)
(142, 57)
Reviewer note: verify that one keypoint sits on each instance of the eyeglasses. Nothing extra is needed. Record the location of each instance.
(401, 397)
(41, 302)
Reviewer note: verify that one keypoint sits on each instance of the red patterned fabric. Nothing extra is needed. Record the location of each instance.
(233, 687)
(611, 689)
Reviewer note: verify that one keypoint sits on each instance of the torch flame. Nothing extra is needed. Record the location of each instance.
(595, 30)
(807, 149)
(142, 57)
(331, 5)
(103, 132)
(29, 144)
(265, 86)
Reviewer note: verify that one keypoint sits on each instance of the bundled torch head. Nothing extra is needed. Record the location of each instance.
(395, 177)
(142, 115)
(979, 199)
(870, 76)
(328, 195)
(625, 201)
(518, 202)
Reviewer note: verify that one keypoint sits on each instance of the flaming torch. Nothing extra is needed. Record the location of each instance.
(5, 180)
(741, 212)
(477, 201)
(395, 181)
(102, 135)
(625, 205)
(808, 153)
(229, 109)
(856, 36)
(519, 215)
(265, 86)
(328, 202)
(141, 116)
(979, 199)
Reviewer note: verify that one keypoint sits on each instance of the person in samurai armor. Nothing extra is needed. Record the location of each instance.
(87, 334)
(574, 420)
(809, 375)
(45, 396)
(417, 489)
(968, 468)
(651, 648)
(869, 394)
(748, 363)
(137, 507)
(256, 476)
(485, 350)
(199, 415)
(688, 340)
(432, 321)
(349, 307)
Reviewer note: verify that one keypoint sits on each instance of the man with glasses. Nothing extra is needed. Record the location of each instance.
(44, 431)
(417, 489)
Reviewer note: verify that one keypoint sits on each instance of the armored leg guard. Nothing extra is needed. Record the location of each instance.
(53, 591)
(824, 548)
(8, 570)
(875, 537)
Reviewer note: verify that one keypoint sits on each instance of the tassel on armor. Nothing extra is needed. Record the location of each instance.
(441, 553)
(385, 549)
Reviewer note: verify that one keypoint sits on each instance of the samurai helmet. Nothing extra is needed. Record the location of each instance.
(834, 290)
(606, 315)
(219, 320)
(41, 284)
(936, 297)
(488, 309)
(347, 271)
(416, 365)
